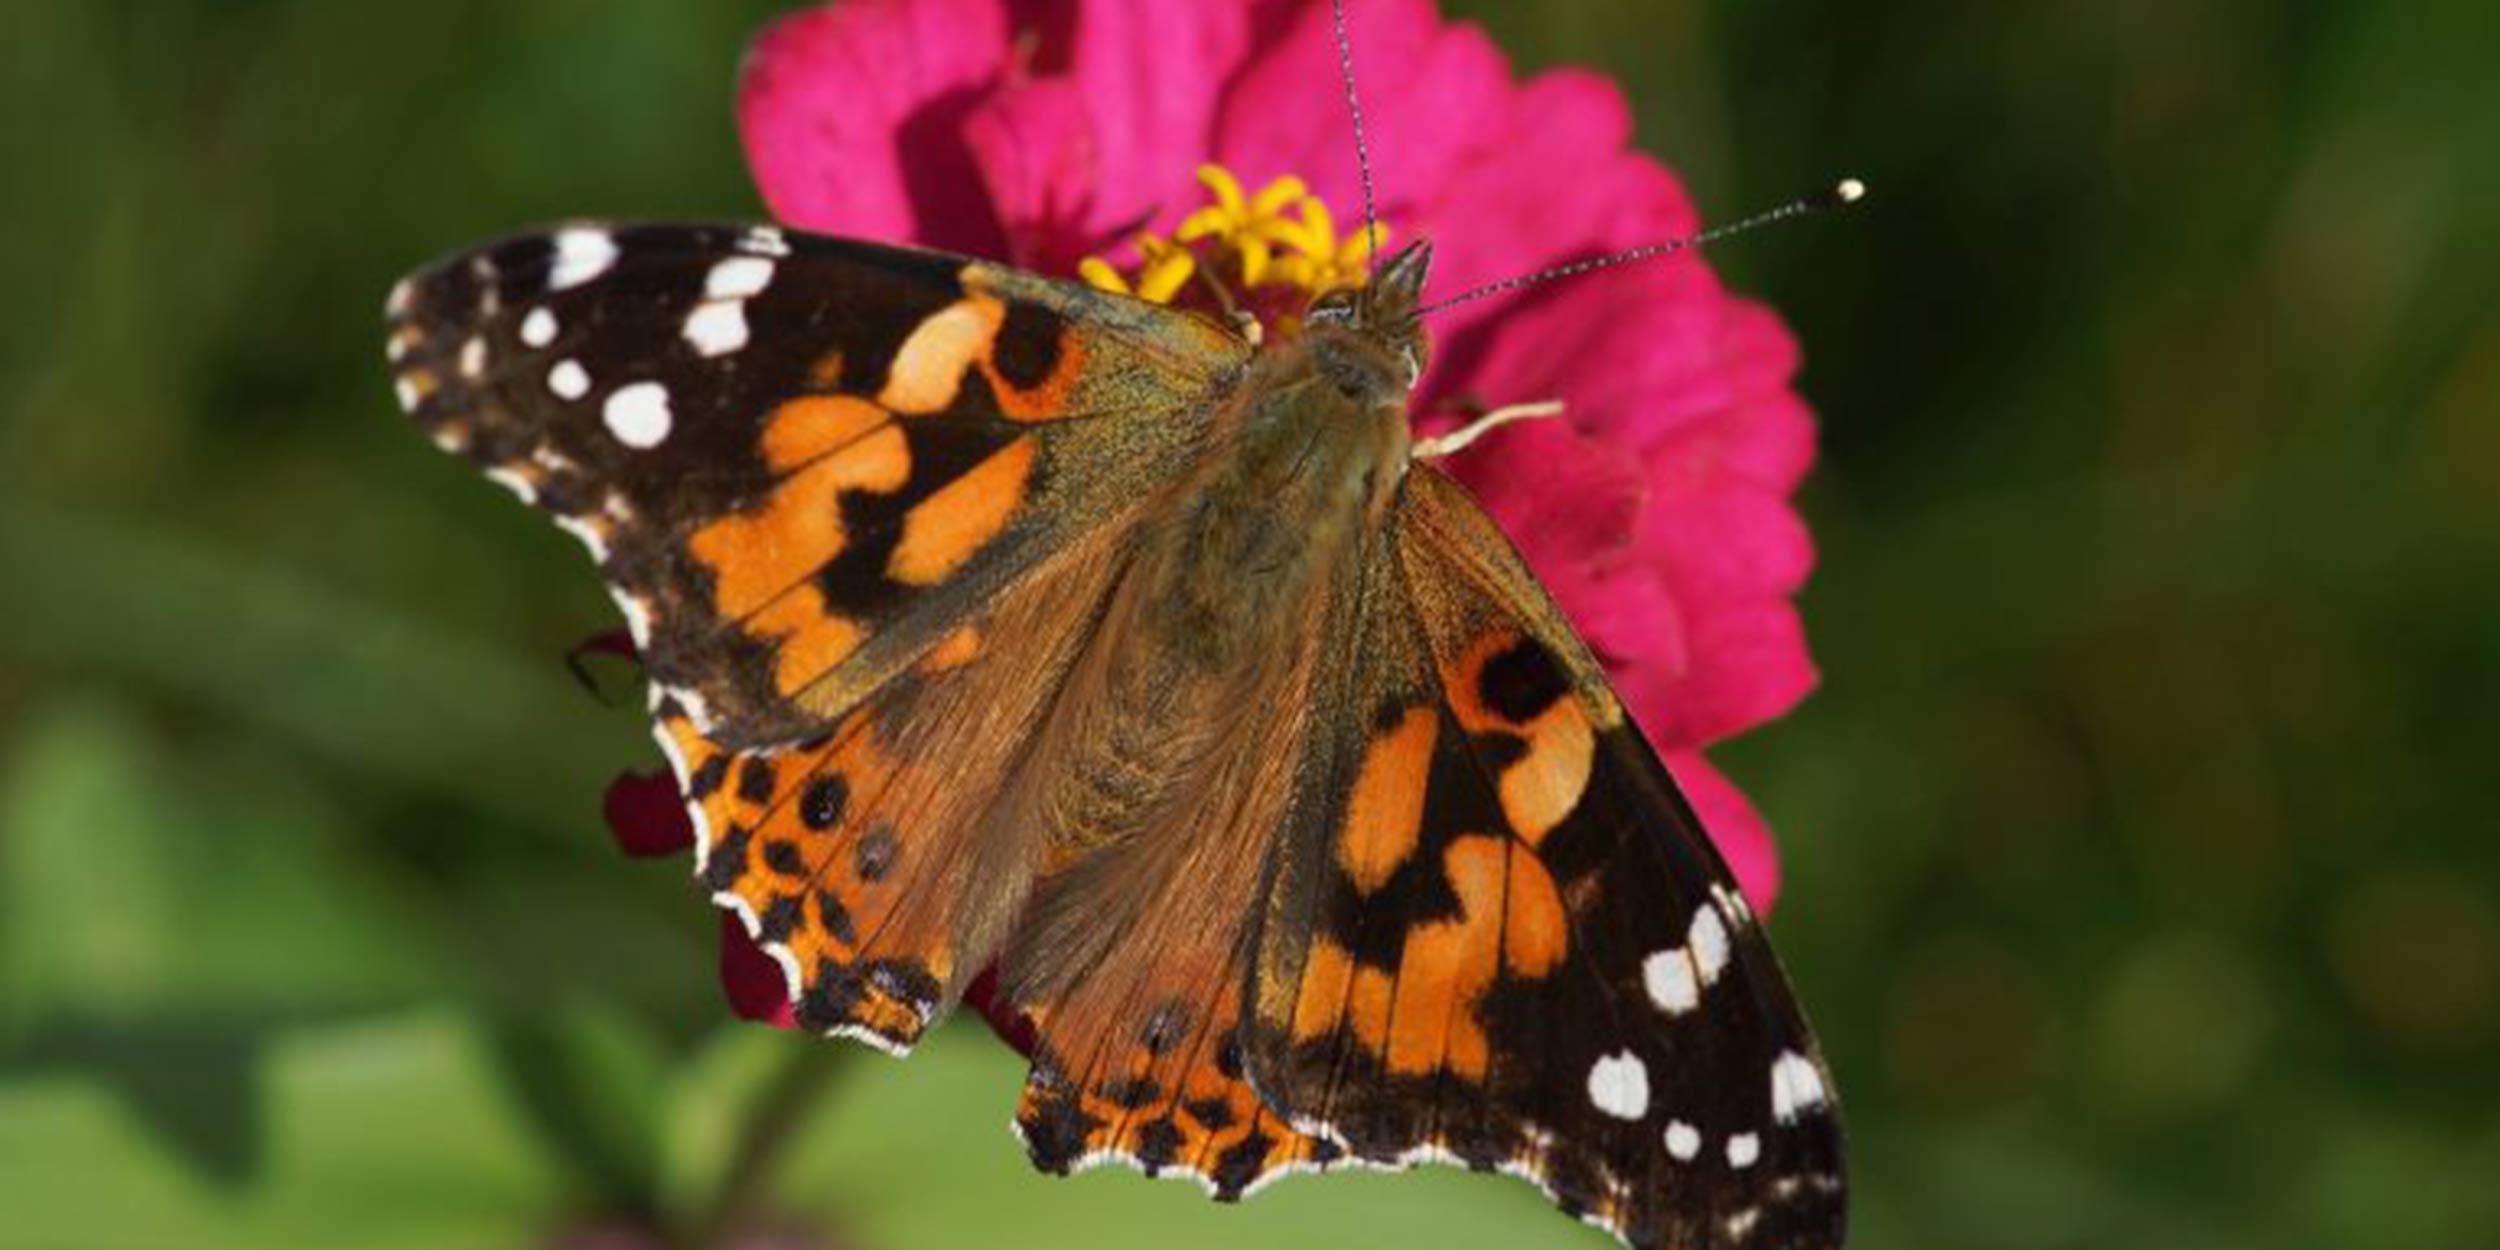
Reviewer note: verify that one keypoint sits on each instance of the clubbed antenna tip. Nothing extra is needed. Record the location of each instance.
(1840, 194)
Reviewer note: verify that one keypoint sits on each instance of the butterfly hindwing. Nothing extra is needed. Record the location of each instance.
(1132, 958)
(877, 861)
(1506, 941)
(800, 461)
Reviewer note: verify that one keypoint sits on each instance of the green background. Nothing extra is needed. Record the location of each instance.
(2141, 876)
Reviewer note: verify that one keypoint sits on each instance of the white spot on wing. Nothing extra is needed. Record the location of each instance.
(1796, 1086)
(473, 357)
(766, 241)
(591, 535)
(1619, 1085)
(1671, 981)
(1709, 943)
(513, 480)
(638, 414)
(637, 619)
(538, 329)
(1683, 1141)
(582, 253)
(1742, 1150)
(717, 328)
(1740, 1225)
(738, 277)
(568, 379)
(409, 395)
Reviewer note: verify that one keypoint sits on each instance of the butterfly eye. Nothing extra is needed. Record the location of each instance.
(1335, 307)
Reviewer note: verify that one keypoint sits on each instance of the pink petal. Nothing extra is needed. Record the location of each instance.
(647, 815)
(853, 115)
(1548, 181)
(1726, 542)
(1432, 92)
(1745, 664)
(1035, 146)
(1634, 354)
(1556, 490)
(1744, 841)
(1150, 74)
(1764, 442)
(753, 980)
(1627, 617)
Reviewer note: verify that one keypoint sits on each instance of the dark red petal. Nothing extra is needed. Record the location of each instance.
(753, 980)
(1013, 1027)
(615, 642)
(647, 815)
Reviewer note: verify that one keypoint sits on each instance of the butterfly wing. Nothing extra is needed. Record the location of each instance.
(1131, 960)
(861, 506)
(876, 861)
(800, 462)
(1503, 940)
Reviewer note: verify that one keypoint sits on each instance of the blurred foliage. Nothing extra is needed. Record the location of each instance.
(2141, 876)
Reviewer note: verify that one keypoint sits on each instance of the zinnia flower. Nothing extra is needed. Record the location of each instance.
(1134, 142)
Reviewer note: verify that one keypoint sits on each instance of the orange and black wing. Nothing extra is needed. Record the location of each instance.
(861, 507)
(800, 462)
(1501, 938)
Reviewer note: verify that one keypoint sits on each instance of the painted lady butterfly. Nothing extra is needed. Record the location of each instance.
(995, 618)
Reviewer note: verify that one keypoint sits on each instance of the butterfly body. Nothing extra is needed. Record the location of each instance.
(1304, 456)
(997, 621)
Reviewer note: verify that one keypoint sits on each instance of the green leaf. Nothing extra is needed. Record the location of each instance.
(160, 919)
(390, 1134)
(592, 1080)
(136, 883)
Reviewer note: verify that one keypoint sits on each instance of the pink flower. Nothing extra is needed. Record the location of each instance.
(1043, 132)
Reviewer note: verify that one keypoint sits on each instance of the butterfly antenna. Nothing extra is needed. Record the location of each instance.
(1840, 194)
(1362, 152)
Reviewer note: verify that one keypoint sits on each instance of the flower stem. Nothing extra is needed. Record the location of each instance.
(772, 1124)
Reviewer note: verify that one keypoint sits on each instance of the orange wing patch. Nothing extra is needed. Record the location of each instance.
(1028, 354)
(1511, 923)
(955, 650)
(762, 559)
(952, 525)
(1385, 814)
(1503, 682)
(928, 369)
(802, 429)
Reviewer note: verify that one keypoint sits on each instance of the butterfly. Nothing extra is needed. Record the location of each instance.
(993, 619)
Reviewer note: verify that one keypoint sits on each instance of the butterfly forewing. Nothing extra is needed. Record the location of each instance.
(799, 461)
(1507, 943)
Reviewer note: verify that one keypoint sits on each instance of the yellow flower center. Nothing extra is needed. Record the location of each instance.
(1266, 254)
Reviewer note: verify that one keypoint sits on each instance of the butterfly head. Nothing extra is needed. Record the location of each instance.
(1377, 323)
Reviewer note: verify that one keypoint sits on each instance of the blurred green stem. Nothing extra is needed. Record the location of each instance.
(780, 1109)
